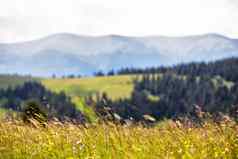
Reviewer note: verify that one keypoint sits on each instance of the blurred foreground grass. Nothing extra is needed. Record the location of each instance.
(165, 140)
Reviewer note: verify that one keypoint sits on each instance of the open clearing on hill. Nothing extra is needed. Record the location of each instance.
(115, 86)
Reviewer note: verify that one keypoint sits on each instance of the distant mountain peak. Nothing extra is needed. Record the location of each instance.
(82, 54)
(64, 36)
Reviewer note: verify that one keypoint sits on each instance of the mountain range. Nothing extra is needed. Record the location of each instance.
(65, 53)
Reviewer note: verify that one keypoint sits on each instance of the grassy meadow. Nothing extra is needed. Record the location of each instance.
(167, 140)
(115, 86)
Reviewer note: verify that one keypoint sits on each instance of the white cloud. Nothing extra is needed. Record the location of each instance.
(30, 19)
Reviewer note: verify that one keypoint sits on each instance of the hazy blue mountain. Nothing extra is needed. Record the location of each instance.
(63, 54)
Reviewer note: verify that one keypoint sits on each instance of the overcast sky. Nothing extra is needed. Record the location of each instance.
(22, 20)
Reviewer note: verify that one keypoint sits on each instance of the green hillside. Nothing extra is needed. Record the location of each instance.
(115, 86)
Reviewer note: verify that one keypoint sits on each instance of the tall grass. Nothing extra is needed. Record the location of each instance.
(109, 141)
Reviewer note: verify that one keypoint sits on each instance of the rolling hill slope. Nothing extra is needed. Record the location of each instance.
(115, 86)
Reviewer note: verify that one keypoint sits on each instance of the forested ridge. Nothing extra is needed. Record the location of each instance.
(226, 68)
(170, 92)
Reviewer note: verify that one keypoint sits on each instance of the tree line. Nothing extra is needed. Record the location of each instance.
(226, 68)
(170, 92)
(55, 105)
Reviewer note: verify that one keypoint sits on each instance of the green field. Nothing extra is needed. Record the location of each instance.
(115, 86)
